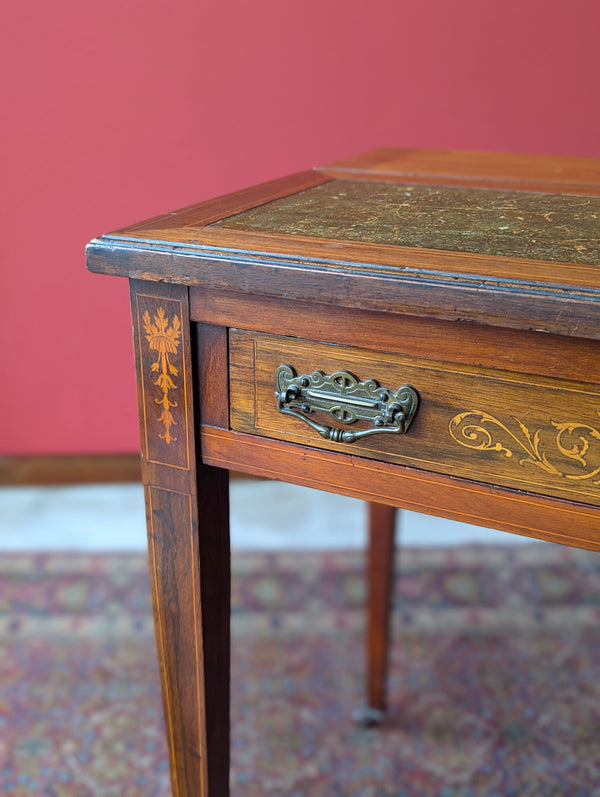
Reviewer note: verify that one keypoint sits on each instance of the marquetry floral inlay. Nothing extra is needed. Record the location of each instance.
(552, 450)
(164, 339)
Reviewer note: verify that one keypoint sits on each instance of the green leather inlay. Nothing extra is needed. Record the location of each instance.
(555, 227)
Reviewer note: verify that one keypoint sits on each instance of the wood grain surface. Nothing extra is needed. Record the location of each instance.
(380, 582)
(454, 167)
(459, 341)
(485, 505)
(501, 292)
(214, 209)
(188, 544)
(504, 428)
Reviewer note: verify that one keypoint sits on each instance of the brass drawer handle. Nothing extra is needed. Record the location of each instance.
(347, 400)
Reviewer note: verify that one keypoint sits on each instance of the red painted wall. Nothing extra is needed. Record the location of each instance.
(118, 110)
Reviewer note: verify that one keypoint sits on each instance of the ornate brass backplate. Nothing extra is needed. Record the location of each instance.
(346, 399)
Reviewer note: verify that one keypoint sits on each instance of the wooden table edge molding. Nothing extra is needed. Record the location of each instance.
(272, 331)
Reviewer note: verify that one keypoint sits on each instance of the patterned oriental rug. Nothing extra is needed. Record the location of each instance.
(494, 684)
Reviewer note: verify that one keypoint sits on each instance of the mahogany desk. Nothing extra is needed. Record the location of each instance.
(416, 329)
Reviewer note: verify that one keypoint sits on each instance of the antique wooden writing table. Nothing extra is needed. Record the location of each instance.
(416, 329)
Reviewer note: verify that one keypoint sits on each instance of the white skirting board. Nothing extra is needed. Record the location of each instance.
(264, 515)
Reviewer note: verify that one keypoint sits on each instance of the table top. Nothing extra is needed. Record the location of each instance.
(506, 240)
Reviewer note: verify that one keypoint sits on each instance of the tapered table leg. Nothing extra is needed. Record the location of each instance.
(188, 541)
(380, 577)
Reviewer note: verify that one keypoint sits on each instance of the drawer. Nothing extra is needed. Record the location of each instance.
(529, 433)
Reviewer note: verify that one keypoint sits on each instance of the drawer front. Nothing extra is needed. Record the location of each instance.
(529, 433)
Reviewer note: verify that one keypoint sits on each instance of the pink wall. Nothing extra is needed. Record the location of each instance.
(116, 110)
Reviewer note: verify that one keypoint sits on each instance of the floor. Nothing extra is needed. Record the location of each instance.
(264, 515)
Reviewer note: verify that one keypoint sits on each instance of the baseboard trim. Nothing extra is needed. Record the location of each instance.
(70, 469)
(74, 469)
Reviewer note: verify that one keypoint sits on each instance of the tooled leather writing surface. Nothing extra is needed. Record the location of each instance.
(538, 226)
